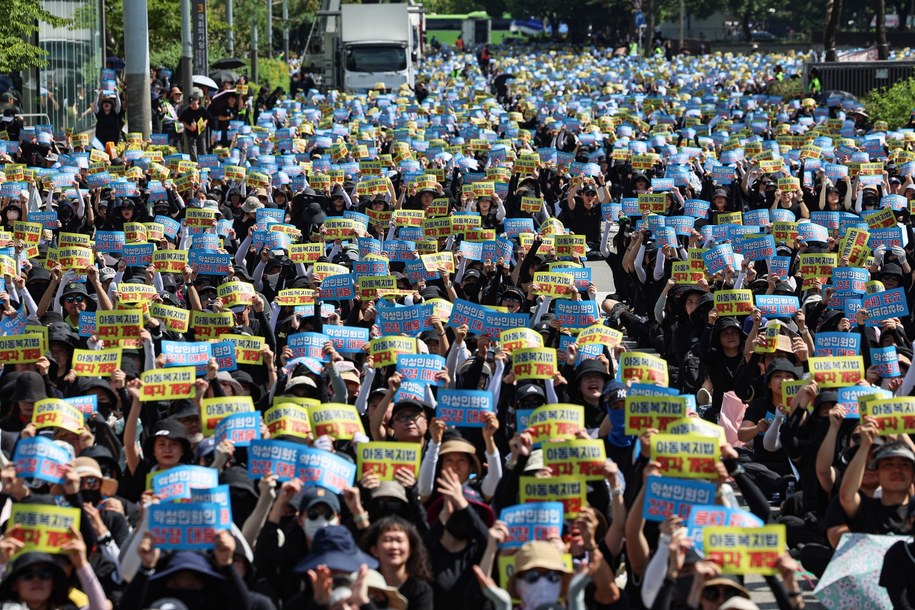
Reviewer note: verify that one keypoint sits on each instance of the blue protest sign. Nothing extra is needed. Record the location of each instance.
(532, 521)
(176, 483)
(888, 237)
(409, 321)
(718, 258)
(240, 428)
(137, 255)
(309, 345)
(316, 467)
(87, 326)
(471, 314)
(885, 305)
(347, 339)
(224, 353)
(837, 344)
(422, 368)
(209, 263)
(464, 408)
(808, 231)
(665, 496)
(87, 405)
(338, 288)
(758, 248)
(189, 527)
(187, 353)
(48, 220)
(778, 266)
(703, 515)
(516, 226)
(697, 208)
(849, 280)
(110, 241)
(220, 496)
(886, 360)
(41, 458)
(777, 305)
(577, 314)
(171, 225)
(848, 398)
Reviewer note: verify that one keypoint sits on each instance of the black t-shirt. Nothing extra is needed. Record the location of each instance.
(897, 574)
(189, 115)
(762, 409)
(875, 518)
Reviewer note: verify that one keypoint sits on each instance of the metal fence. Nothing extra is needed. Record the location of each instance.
(859, 78)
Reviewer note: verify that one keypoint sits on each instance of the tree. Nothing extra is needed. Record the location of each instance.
(883, 49)
(22, 22)
(833, 12)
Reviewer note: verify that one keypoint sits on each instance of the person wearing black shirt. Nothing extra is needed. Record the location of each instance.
(109, 119)
(195, 118)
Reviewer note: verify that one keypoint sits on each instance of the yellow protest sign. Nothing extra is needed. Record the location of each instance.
(817, 265)
(235, 293)
(43, 528)
(214, 410)
(168, 384)
(247, 348)
(73, 240)
(555, 422)
(57, 413)
(154, 231)
(384, 350)
(534, 363)
(432, 262)
(643, 367)
(745, 550)
(383, 459)
(176, 319)
(306, 253)
(136, 293)
(836, 371)
(115, 325)
(134, 232)
(200, 218)
(894, 415)
(291, 297)
(689, 456)
(734, 302)
(74, 258)
(96, 363)
(170, 261)
(531, 205)
(520, 338)
(556, 285)
(598, 333)
(784, 232)
(409, 218)
(341, 421)
(658, 412)
(570, 246)
(697, 425)
(208, 325)
(854, 246)
(571, 491)
(653, 203)
(323, 270)
(287, 418)
(578, 458)
(21, 349)
(30, 234)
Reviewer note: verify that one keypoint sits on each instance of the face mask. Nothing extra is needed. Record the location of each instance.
(311, 527)
(618, 436)
(92, 496)
(13, 215)
(538, 593)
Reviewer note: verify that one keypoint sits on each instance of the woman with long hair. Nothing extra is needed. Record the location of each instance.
(402, 559)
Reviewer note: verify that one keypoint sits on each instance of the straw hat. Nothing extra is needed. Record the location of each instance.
(539, 554)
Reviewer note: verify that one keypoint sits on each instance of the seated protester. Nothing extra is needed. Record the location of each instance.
(459, 455)
(166, 446)
(768, 469)
(720, 351)
(333, 558)
(402, 560)
(407, 420)
(898, 570)
(590, 378)
(459, 522)
(619, 445)
(895, 466)
(189, 577)
(38, 580)
(288, 535)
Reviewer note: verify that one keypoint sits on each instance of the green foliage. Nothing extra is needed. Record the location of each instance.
(273, 73)
(788, 89)
(892, 104)
(21, 22)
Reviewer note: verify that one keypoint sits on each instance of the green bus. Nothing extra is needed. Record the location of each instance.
(477, 27)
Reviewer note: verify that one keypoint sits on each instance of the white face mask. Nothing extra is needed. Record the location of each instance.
(311, 527)
(536, 594)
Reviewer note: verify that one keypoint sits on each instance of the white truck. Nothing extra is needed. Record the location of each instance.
(377, 46)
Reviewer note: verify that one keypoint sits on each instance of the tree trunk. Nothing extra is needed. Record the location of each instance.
(883, 49)
(833, 12)
(745, 25)
(648, 36)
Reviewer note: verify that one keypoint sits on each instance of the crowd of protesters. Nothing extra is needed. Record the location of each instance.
(761, 251)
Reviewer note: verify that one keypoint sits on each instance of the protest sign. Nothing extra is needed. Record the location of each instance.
(240, 428)
(893, 415)
(116, 325)
(176, 483)
(22, 349)
(421, 368)
(288, 419)
(577, 314)
(43, 528)
(886, 361)
(555, 422)
(519, 338)
(534, 363)
(41, 458)
(187, 353)
(837, 344)
(707, 515)
(752, 550)
(689, 456)
(657, 412)
(347, 339)
(570, 491)
(642, 367)
(214, 410)
(57, 413)
(188, 527)
(337, 420)
(385, 350)
(666, 496)
(851, 397)
(836, 372)
(248, 350)
(206, 325)
(176, 319)
(531, 521)
(734, 302)
(96, 363)
(579, 458)
(777, 306)
(464, 408)
(383, 459)
(168, 384)
(887, 304)
(550, 284)
(309, 345)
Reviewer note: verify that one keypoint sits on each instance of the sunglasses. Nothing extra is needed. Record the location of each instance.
(713, 593)
(405, 418)
(75, 299)
(315, 513)
(42, 574)
(533, 576)
(510, 300)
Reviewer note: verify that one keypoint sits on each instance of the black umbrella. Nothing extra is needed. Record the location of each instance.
(224, 76)
(227, 63)
(115, 63)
